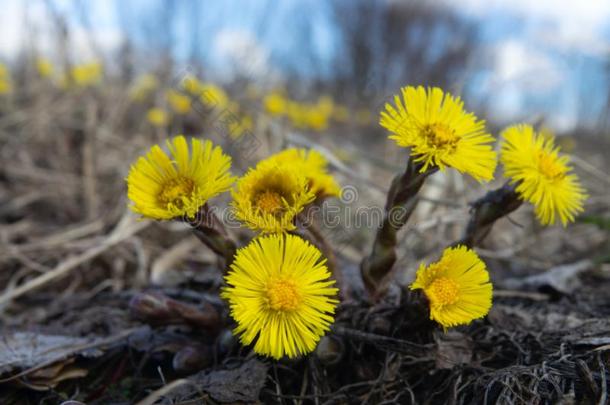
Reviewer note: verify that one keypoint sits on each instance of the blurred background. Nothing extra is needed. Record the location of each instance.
(511, 60)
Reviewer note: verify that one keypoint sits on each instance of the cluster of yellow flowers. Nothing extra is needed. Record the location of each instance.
(79, 76)
(83, 75)
(180, 102)
(6, 86)
(310, 116)
(315, 116)
(440, 134)
(278, 287)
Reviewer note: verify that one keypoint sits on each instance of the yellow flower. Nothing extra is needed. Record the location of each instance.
(180, 103)
(269, 197)
(161, 187)
(440, 132)
(280, 295)
(86, 74)
(314, 166)
(457, 287)
(213, 96)
(237, 128)
(275, 104)
(157, 117)
(316, 119)
(192, 85)
(144, 86)
(44, 67)
(543, 177)
(3, 71)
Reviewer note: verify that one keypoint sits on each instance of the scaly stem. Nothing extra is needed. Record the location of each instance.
(400, 204)
(486, 211)
(210, 230)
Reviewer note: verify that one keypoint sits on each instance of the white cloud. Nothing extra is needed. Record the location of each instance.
(29, 24)
(521, 72)
(242, 53)
(562, 24)
(587, 13)
(519, 64)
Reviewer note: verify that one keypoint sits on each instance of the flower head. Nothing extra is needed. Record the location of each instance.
(275, 104)
(440, 132)
(314, 166)
(280, 295)
(161, 187)
(457, 287)
(180, 103)
(192, 85)
(269, 197)
(240, 126)
(86, 74)
(144, 87)
(213, 96)
(317, 119)
(157, 117)
(543, 177)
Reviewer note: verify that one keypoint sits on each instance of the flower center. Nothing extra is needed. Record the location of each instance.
(440, 136)
(270, 202)
(175, 190)
(283, 295)
(550, 167)
(443, 291)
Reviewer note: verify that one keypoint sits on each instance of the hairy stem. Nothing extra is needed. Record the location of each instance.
(486, 211)
(210, 230)
(400, 204)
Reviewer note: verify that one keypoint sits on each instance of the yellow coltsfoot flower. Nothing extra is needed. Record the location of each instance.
(275, 104)
(269, 197)
(180, 103)
(144, 87)
(157, 117)
(542, 176)
(281, 296)
(457, 287)
(440, 132)
(161, 187)
(213, 96)
(314, 166)
(86, 74)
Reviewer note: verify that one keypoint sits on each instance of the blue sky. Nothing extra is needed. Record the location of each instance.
(538, 59)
